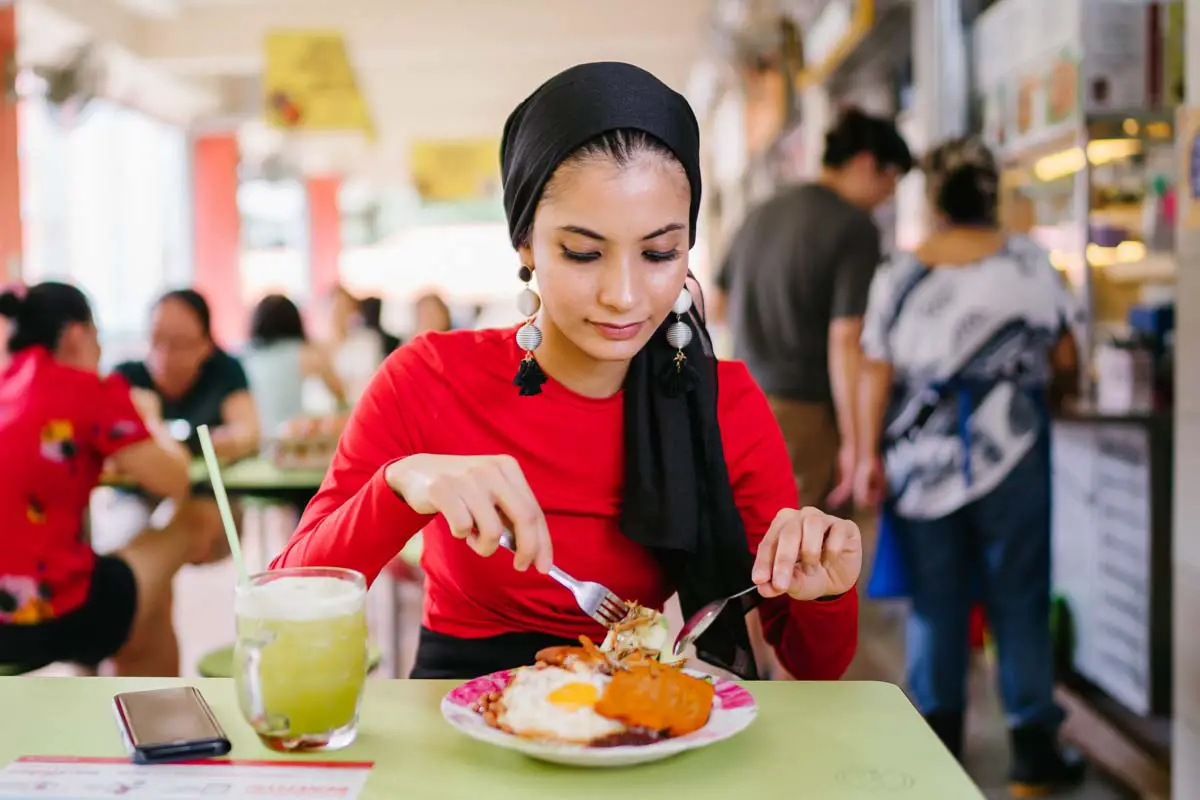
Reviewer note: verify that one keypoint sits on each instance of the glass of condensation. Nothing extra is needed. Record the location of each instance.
(300, 661)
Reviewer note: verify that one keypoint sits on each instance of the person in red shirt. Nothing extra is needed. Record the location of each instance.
(59, 423)
(615, 456)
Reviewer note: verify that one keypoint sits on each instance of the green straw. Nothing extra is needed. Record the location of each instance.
(214, 475)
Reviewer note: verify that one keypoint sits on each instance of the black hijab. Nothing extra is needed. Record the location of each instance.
(678, 501)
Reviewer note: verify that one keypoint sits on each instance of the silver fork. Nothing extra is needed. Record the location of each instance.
(596, 600)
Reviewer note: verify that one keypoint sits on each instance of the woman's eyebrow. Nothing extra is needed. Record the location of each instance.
(674, 226)
(582, 232)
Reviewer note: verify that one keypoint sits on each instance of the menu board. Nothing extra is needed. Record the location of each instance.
(1101, 553)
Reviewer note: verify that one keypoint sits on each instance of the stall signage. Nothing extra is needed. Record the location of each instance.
(310, 85)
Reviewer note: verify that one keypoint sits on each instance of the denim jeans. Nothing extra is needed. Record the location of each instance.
(997, 548)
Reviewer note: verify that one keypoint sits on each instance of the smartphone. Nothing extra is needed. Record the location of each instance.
(163, 725)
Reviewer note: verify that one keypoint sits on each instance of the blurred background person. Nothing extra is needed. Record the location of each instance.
(280, 360)
(793, 288)
(794, 285)
(196, 381)
(59, 423)
(355, 348)
(187, 381)
(962, 341)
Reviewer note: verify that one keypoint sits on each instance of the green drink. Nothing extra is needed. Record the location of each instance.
(301, 656)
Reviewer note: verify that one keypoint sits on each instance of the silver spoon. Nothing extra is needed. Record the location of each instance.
(699, 622)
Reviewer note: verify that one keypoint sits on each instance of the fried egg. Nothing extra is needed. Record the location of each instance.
(556, 703)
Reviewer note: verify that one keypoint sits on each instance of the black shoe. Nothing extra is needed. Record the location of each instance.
(948, 725)
(1039, 765)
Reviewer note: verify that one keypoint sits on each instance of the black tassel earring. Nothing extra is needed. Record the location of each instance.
(529, 375)
(680, 377)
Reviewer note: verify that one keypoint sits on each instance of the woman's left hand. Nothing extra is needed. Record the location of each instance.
(808, 554)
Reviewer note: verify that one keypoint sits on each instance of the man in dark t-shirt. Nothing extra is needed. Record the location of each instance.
(794, 288)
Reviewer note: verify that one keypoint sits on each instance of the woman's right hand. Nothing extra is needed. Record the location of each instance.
(479, 496)
(870, 483)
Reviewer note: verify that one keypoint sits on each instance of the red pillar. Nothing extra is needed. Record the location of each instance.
(216, 234)
(324, 234)
(10, 171)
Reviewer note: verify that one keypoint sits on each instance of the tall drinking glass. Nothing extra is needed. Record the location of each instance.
(300, 661)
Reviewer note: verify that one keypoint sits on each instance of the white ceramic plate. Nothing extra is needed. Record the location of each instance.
(734, 709)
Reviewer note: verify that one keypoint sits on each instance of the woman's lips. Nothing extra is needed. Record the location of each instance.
(619, 333)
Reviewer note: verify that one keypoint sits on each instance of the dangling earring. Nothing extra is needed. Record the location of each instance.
(529, 376)
(679, 376)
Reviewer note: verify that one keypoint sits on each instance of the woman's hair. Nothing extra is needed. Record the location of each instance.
(40, 314)
(857, 132)
(195, 302)
(622, 146)
(371, 310)
(963, 181)
(276, 319)
(968, 196)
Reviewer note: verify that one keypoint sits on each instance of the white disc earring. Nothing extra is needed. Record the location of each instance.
(530, 376)
(680, 377)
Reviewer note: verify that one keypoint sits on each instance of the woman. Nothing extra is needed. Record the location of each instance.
(196, 382)
(357, 349)
(963, 340)
(187, 381)
(59, 422)
(279, 360)
(612, 456)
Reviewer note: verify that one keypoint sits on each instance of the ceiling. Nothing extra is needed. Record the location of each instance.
(429, 70)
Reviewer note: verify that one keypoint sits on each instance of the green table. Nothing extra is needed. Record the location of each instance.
(261, 478)
(826, 741)
(255, 476)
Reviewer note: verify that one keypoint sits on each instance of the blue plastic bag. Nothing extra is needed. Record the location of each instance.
(889, 579)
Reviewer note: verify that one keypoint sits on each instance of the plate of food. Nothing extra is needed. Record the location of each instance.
(621, 703)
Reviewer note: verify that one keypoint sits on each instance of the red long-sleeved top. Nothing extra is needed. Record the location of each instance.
(452, 394)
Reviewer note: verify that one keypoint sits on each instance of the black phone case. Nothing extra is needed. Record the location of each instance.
(160, 726)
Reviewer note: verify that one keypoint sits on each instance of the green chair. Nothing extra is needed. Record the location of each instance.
(219, 663)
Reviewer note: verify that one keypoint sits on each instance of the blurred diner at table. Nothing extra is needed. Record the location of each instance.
(188, 381)
(280, 359)
(197, 382)
(356, 348)
(59, 423)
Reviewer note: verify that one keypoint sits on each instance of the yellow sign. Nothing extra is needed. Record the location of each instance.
(309, 84)
(456, 170)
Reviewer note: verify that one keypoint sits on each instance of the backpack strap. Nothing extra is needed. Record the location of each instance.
(917, 272)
